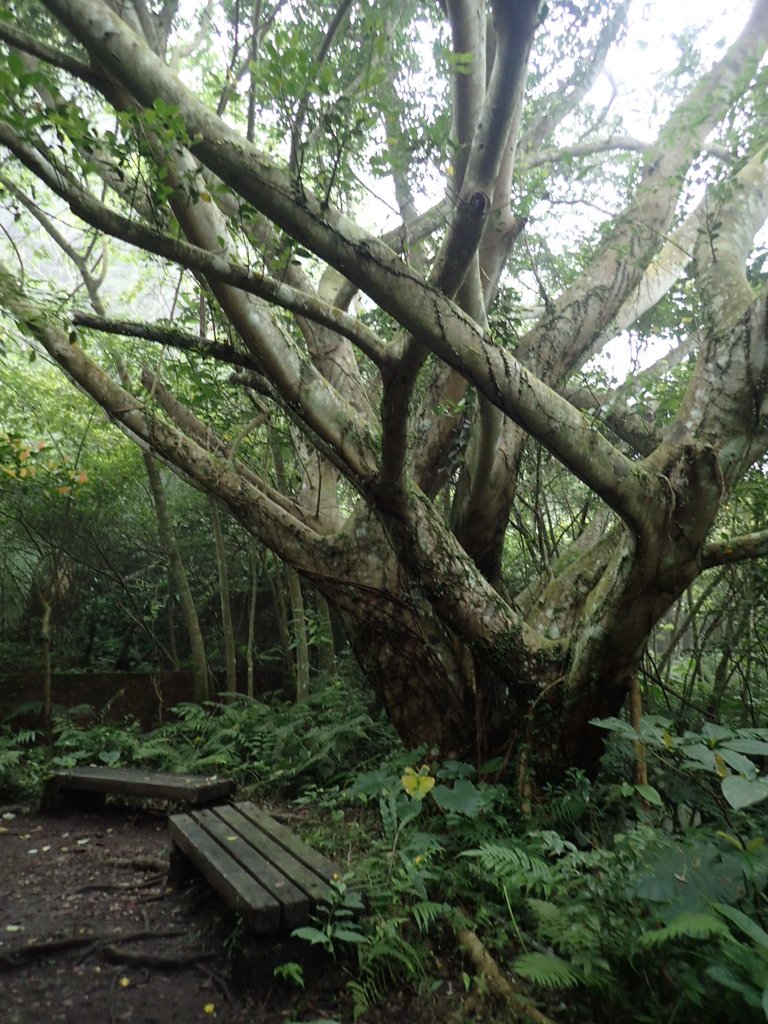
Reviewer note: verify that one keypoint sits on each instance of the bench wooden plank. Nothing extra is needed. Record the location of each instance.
(315, 888)
(237, 886)
(194, 789)
(231, 832)
(302, 851)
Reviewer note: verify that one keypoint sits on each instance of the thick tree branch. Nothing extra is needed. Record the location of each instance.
(165, 334)
(265, 518)
(725, 402)
(363, 259)
(556, 106)
(559, 342)
(735, 549)
(615, 143)
(16, 37)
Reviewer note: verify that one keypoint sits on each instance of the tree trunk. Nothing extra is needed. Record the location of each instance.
(249, 660)
(326, 647)
(45, 641)
(230, 656)
(299, 628)
(176, 565)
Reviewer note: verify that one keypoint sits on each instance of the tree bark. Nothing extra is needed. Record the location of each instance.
(227, 629)
(167, 537)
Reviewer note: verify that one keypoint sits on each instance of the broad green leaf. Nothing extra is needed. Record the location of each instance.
(615, 725)
(737, 761)
(748, 746)
(741, 792)
(649, 793)
(758, 935)
(463, 797)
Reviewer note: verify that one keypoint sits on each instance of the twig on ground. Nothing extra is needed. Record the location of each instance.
(220, 983)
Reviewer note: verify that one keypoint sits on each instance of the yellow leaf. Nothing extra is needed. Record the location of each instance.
(417, 784)
(721, 767)
(731, 839)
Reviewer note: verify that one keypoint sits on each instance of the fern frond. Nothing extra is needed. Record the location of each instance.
(545, 971)
(427, 912)
(511, 865)
(687, 925)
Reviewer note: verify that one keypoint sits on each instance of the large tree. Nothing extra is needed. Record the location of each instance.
(430, 373)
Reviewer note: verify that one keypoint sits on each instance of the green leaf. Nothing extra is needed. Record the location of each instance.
(649, 793)
(741, 792)
(737, 762)
(311, 935)
(748, 746)
(347, 935)
(615, 725)
(758, 935)
(462, 798)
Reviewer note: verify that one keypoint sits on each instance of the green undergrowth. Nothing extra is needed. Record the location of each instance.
(609, 900)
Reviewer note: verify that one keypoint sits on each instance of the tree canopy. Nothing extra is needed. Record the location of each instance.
(498, 522)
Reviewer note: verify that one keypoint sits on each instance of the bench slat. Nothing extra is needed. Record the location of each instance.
(231, 832)
(237, 886)
(302, 851)
(284, 861)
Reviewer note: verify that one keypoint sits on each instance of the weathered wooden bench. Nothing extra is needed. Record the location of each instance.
(257, 865)
(133, 782)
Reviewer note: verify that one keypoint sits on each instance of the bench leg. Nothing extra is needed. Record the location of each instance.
(60, 799)
(180, 870)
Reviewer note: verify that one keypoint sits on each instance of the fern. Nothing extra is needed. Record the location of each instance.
(688, 925)
(545, 970)
(509, 865)
(427, 912)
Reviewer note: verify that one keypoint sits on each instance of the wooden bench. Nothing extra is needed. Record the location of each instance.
(132, 782)
(258, 866)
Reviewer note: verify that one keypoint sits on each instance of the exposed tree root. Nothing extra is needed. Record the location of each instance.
(16, 957)
(120, 886)
(521, 1008)
(160, 867)
(139, 959)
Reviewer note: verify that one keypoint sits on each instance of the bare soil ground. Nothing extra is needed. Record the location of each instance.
(92, 933)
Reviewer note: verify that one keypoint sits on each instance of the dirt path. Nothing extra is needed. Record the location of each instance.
(114, 942)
